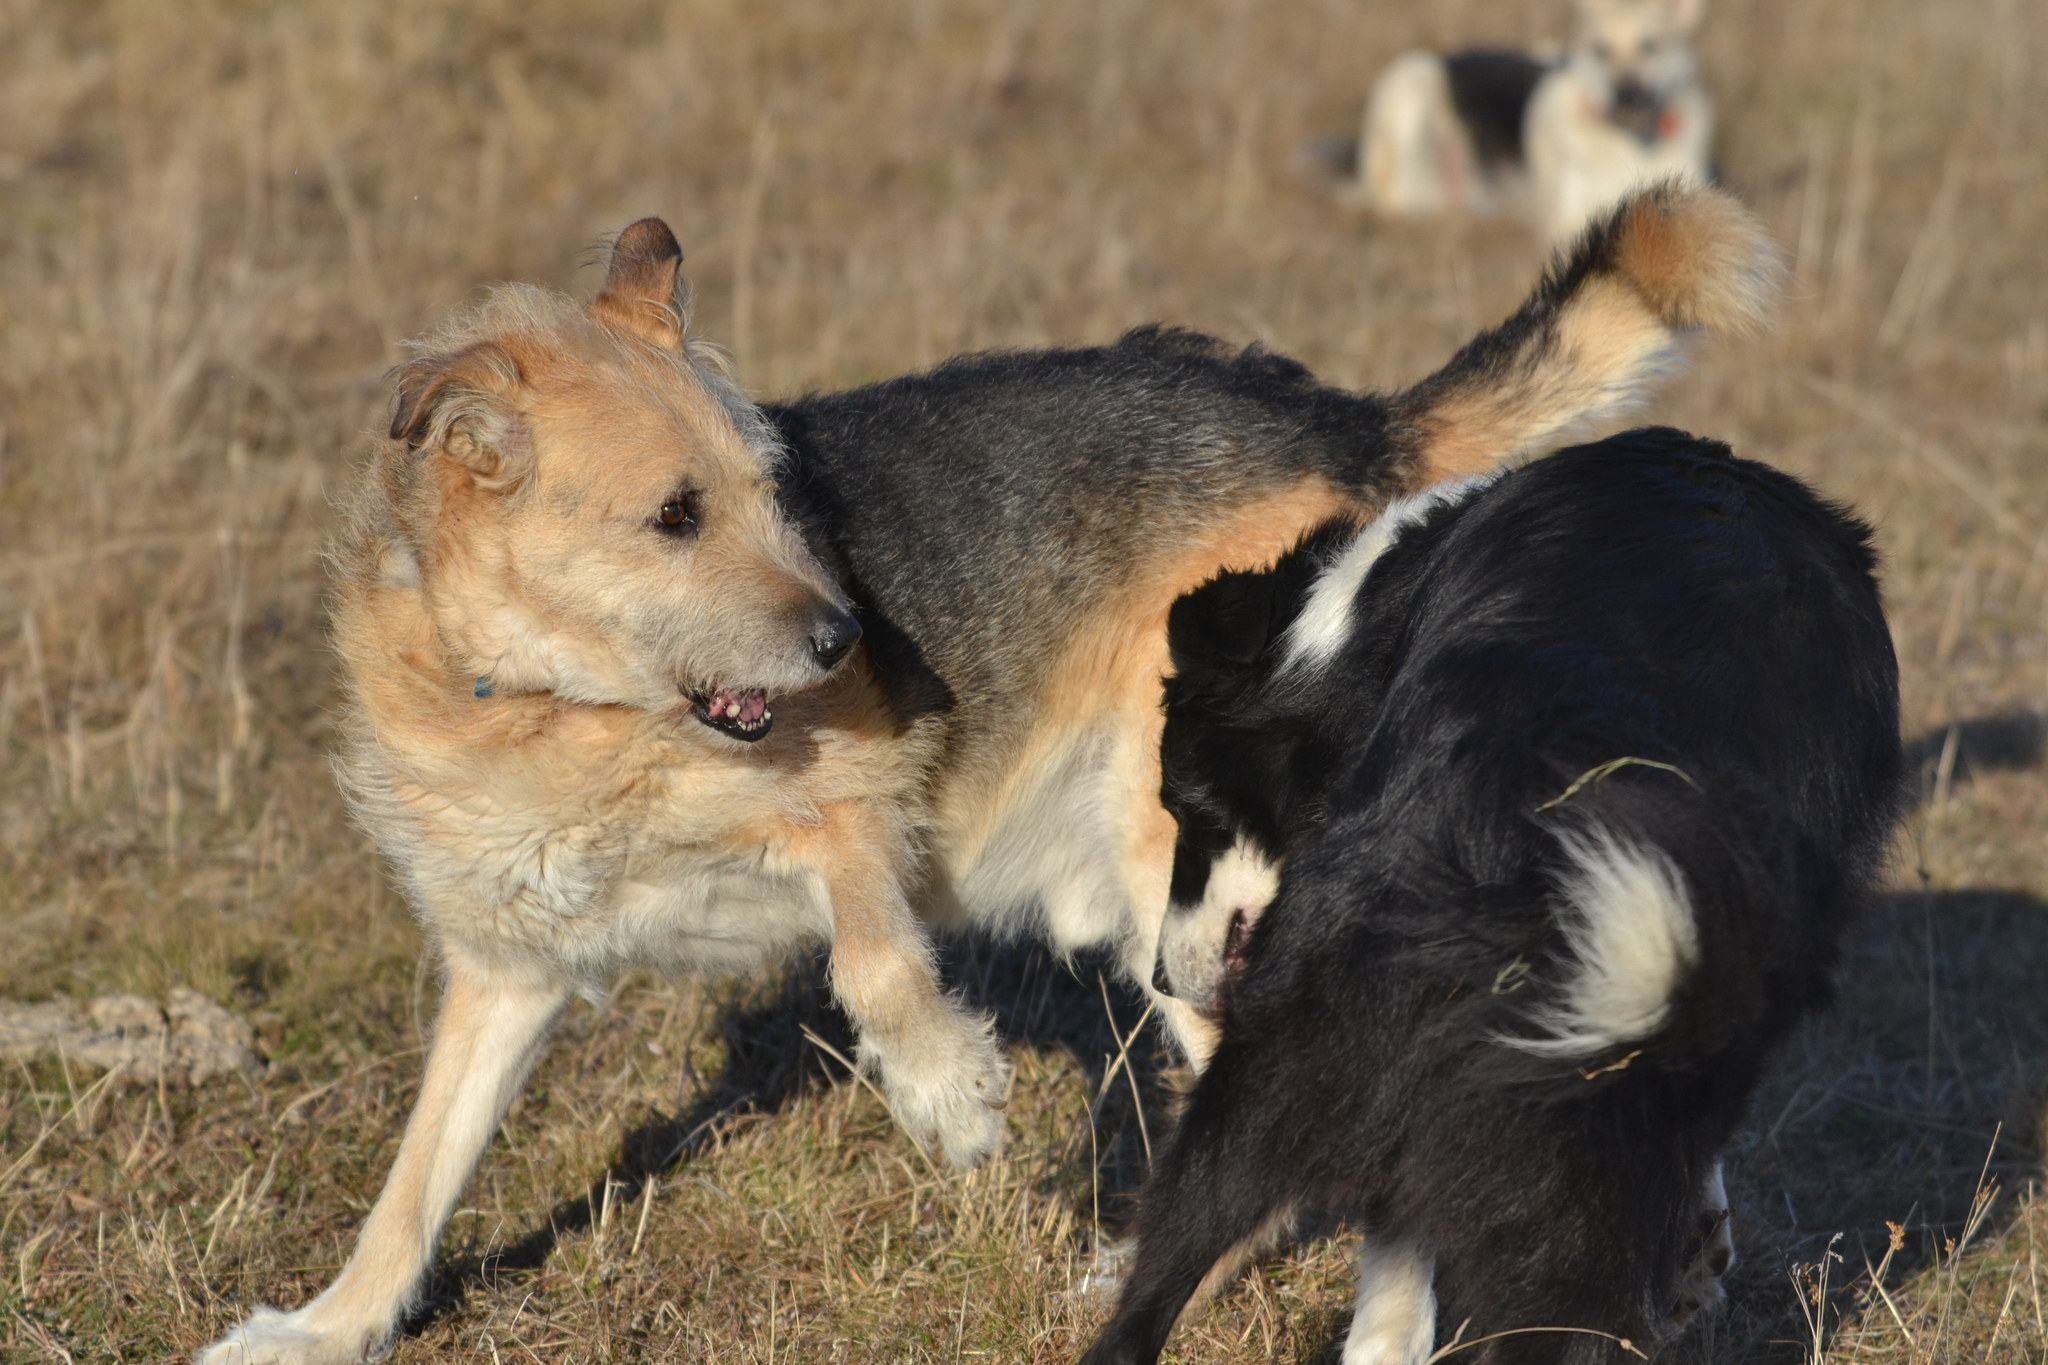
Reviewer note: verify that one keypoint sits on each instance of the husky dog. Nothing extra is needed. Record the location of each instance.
(1573, 778)
(1491, 131)
(641, 674)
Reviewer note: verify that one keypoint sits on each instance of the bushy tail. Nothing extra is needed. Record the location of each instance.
(1684, 931)
(1607, 320)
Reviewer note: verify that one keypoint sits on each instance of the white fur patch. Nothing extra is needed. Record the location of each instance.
(1631, 927)
(1395, 1321)
(1325, 621)
(398, 567)
(1414, 155)
(1052, 864)
(1242, 878)
(1193, 938)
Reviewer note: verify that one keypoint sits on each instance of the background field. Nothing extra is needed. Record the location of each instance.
(219, 220)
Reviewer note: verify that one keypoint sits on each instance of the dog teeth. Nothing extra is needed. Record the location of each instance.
(767, 716)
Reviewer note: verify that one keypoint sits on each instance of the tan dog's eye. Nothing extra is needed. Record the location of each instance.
(677, 515)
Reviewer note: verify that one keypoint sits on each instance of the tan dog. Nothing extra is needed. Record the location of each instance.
(572, 544)
(607, 708)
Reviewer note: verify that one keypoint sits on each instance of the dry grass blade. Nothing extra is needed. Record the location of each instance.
(1121, 1063)
(40, 1335)
(1929, 261)
(861, 1077)
(1867, 409)
(1458, 1346)
(21, 1162)
(1611, 766)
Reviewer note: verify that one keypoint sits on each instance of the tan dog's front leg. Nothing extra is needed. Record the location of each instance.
(490, 1030)
(938, 1062)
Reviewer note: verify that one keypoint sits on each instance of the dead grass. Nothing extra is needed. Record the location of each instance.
(218, 219)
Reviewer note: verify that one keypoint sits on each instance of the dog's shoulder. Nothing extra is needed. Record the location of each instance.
(1658, 486)
(1219, 631)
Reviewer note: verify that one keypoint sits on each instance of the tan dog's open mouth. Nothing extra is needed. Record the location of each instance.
(741, 712)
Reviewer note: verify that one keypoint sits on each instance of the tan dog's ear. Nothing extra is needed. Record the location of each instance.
(461, 405)
(642, 286)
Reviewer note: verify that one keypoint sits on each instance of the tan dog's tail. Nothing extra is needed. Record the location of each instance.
(1608, 319)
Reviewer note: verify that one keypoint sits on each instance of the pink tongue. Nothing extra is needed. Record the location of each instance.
(752, 703)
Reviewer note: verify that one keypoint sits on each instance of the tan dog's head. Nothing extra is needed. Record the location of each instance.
(1638, 54)
(589, 506)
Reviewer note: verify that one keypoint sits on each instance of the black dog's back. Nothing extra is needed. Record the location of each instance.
(1611, 751)
(1490, 89)
(1652, 599)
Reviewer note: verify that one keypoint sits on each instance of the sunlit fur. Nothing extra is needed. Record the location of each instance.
(528, 654)
(1194, 941)
(1629, 927)
(1324, 624)
(526, 512)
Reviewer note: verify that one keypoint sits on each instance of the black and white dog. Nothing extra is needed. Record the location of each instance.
(1553, 140)
(1577, 774)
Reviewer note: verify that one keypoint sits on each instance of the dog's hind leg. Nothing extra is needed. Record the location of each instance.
(1395, 1321)
(1573, 1278)
(1212, 1192)
(491, 1028)
(1711, 1248)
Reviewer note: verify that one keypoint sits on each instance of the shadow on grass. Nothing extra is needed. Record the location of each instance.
(2010, 741)
(1885, 1109)
(1036, 1000)
(1929, 1072)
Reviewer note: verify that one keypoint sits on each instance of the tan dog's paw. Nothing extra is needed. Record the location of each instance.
(948, 1091)
(268, 1337)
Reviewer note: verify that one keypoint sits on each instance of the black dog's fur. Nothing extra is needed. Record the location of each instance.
(1490, 89)
(1649, 597)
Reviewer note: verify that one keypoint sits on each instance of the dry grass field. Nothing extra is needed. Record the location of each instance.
(219, 220)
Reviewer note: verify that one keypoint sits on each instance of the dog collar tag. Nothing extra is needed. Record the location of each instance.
(483, 687)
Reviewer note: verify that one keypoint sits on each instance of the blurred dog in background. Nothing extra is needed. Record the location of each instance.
(1555, 140)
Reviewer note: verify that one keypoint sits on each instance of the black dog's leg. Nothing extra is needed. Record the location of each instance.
(1210, 1194)
(1563, 1288)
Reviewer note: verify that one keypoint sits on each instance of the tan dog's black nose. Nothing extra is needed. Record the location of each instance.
(833, 635)
(1161, 982)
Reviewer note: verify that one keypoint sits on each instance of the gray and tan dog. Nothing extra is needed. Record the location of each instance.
(641, 674)
(1559, 142)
